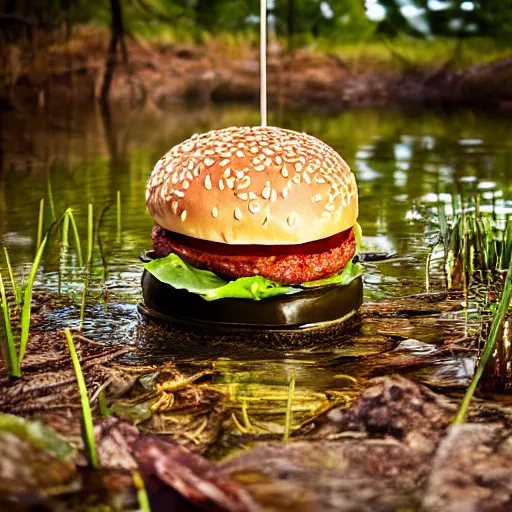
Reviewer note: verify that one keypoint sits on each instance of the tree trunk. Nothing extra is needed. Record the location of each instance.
(290, 22)
(117, 31)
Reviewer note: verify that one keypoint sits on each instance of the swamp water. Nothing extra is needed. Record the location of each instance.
(401, 160)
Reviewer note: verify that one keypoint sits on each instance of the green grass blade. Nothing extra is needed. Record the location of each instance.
(27, 300)
(40, 223)
(15, 288)
(100, 244)
(288, 418)
(90, 233)
(489, 345)
(10, 354)
(65, 230)
(119, 227)
(50, 196)
(76, 236)
(142, 495)
(84, 300)
(88, 427)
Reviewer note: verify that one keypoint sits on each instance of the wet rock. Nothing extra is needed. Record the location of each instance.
(34, 462)
(348, 475)
(472, 471)
(378, 456)
(399, 408)
(176, 479)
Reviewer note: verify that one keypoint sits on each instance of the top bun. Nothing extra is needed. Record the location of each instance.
(253, 185)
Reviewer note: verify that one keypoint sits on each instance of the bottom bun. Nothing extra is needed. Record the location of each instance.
(310, 309)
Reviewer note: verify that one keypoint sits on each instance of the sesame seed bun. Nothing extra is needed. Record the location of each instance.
(253, 185)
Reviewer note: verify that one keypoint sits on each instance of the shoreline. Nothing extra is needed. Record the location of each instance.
(165, 75)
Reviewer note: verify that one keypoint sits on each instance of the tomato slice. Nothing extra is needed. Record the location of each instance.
(314, 247)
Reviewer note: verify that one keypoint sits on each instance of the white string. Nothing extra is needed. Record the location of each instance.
(263, 62)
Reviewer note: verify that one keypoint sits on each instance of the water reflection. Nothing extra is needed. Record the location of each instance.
(74, 158)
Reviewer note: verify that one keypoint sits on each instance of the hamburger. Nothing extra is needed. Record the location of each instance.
(252, 213)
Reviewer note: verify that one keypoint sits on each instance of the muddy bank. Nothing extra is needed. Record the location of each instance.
(393, 449)
(162, 75)
(382, 444)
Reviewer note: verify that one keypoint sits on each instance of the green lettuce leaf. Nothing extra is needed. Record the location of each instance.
(346, 276)
(174, 271)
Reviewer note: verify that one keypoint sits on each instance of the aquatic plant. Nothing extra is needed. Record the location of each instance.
(496, 326)
(13, 357)
(142, 495)
(88, 427)
(289, 404)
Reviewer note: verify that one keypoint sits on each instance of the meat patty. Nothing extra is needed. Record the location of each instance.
(286, 269)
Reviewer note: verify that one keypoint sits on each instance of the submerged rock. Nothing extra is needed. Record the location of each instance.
(472, 471)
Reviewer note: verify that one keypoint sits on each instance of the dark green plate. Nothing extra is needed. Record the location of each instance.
(310, 309)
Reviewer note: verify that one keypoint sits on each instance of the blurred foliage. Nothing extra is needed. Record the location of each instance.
(299, 20)
(459, 18)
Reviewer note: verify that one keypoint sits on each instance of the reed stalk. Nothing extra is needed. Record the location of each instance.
(40, 223)
(90, 233)
(15, 288)
(488, 349)
(27, 300)
(288, 417)
(142, 495)
(118, 215)
(88, 427)
(10, 353)
(76, 236)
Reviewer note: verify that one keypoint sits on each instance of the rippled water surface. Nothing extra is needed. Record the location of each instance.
(401, 159)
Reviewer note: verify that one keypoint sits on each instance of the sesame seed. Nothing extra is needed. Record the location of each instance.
(279, 160)
(298, 166)
(174, 207)
(316, 198)
(239, 174)
(185, 185)
(215, 212)
(179, 193)
(267, 151)
(221, 184)
(175, 178)
(208, 182)
(183, 215)
(254, 150)
(329, 207)
(296, 179)
(189, 176)
(243, 195)
(292, 219)
(244, 183)
(227, 172)
(284, 171)
(191, 165)
(265, 193)
(209, 152)
(230, 182)
(224, 162)
(273, 196)
(237, 213)
(240, 154)
(252, 195)
(254, 207)
(208, 162)
(285, 192)
(306, 177)
(225, 154)
(259, 168)
(256, 160)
